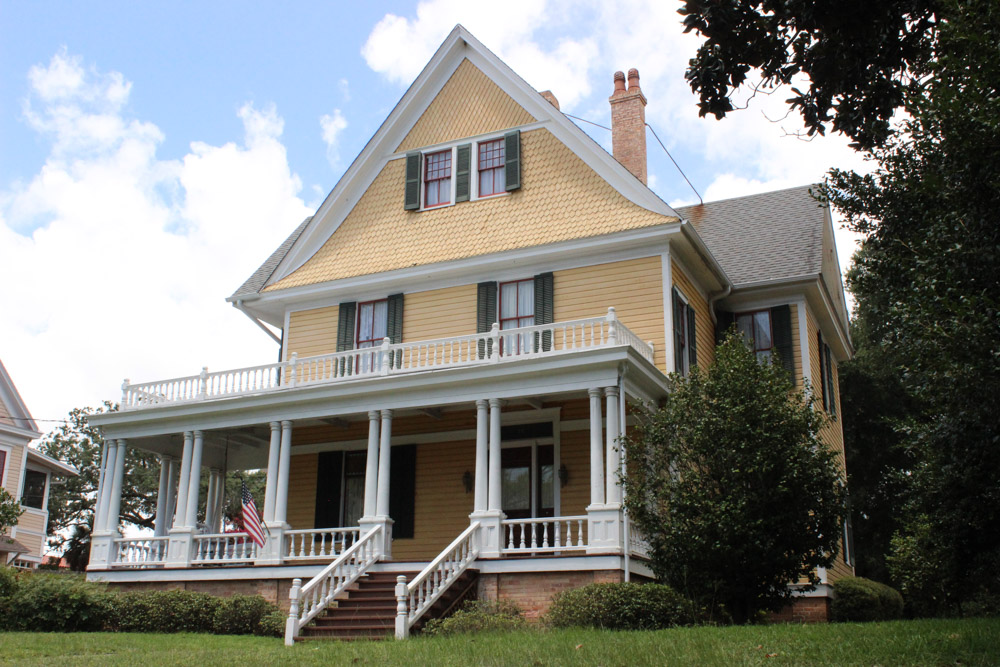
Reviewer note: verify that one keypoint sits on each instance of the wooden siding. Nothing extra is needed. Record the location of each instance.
(31, 531)
(704, 328)
(312, 332)
(796, 346)
(574, 453)
(302, 491)
(634, 287)
(5, 417)
(439, 313)
(12, 472)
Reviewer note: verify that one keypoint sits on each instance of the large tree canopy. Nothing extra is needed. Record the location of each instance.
(860, 57)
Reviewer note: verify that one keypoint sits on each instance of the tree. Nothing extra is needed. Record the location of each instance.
(862, 59)
(10, 511)
(732, 487)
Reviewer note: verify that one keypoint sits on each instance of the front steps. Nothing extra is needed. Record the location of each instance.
(368, 611)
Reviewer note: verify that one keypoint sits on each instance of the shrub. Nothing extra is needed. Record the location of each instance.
(162, 611)
(45, 602)
(624, 606)
(860, 599)
(272, 624)
(478, 616)
(241, 615)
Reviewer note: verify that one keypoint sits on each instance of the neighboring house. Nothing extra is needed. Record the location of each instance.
(462, 322)
(27, 475)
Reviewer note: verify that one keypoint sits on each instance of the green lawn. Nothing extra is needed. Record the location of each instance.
(926, 642)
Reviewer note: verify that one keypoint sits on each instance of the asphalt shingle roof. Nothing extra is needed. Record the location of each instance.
(256, 282)
(763, 237)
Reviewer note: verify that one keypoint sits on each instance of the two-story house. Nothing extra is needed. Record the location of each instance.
(26, 474)
(463, 322)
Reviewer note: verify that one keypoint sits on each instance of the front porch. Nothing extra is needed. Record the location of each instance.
(494, 450)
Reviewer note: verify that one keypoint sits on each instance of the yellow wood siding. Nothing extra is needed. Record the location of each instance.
(312, 332)
(439, 313)
(561, 199)
(12, 471)
(302, 491)
(634, 287)
(796, 346)
(574, 453)
(469, 104)
(704, 329)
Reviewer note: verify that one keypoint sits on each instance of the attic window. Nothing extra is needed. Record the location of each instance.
(491, 168)
(437, 183)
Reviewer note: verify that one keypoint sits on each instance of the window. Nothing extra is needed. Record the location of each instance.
(517, 309)
(826, 376)
(437, 180)
(755, 327)
(491, 168)
(685, 352)
(34, 489)
(3, 465)
(372, 328)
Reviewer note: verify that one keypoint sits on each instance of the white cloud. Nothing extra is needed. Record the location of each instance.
(117, 262)
(332, 125)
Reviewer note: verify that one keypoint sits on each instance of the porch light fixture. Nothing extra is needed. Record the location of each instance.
(563, 475)
(467, 481)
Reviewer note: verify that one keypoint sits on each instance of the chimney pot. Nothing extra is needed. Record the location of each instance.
(547, 94)
(619, 82)
(628, 124)
(633, 79)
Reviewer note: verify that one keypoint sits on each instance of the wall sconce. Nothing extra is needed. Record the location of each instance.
(467, 481)
(563, 475)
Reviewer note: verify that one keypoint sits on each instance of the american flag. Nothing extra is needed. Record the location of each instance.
(251, 520)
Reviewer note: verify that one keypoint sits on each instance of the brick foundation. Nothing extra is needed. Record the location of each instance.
(803, 610)
(533, 591)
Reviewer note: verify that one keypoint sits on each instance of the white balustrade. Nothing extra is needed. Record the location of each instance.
(546, 535)
(415, 598)
(637, 543)
(310, 600)
(389, 359)
(223, 549)
(139, 552)
(319, 543)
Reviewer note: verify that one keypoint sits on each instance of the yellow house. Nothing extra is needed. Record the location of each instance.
(26, 474)
(463, 321)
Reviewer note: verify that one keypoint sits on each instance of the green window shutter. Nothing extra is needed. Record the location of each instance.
(345, 333)
(781, 338)
(412, 194)
(394, 324)
(831, 395)
(512, 159)
(403, 489)
(678, 317)
(462, 172)
(329, 470)
(723, 322)
(692, 341)
(486, 314)
(822, 369)
(544, 308)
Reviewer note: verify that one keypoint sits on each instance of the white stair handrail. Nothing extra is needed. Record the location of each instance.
(308, 601)
(415, 598)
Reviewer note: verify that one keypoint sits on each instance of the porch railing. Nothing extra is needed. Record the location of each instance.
(140, 552)
(308, 601)
(414, 599)
(223, 549)
(494, 346)
(319, 543)
(563, 533)
(637, 543)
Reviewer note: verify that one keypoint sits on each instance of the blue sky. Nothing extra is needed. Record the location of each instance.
(152, 154)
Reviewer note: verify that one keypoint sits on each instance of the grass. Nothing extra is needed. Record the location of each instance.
(923, 642)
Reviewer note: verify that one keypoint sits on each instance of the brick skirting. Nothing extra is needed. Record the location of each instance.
(804, 610)
(533, 591)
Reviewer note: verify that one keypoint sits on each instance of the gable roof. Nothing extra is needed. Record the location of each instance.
(13, 412)
(458, 47)
(256, 282)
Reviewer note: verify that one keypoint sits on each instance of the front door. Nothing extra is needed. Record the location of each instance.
(528, 481)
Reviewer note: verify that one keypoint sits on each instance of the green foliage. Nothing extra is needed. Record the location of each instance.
(10, 511)
(624, 606)
(860, 599)
(732, 486)
(43, 602)
(162, 611)
(272, 624)
(241, 615)
(478, 616)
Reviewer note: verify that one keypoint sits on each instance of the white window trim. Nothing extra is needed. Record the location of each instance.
(8, 450)
(45, 493)
(686, 357)
(473, 170)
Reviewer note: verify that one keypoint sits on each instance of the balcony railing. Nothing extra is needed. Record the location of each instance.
(494, 346)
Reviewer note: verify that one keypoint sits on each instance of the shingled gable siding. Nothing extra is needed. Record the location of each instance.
(634, 287)
(705, 338)
(5, 417)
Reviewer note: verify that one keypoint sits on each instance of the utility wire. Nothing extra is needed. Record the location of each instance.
(586, 121)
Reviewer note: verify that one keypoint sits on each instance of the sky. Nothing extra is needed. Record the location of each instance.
(153, 154)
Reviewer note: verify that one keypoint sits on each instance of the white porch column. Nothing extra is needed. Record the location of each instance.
(371, 467)
(101, 482)
(185, 476)
(383, 436)
(272, 472)
(596, 449)
(482, 455)
(284, 462)
(614, 488)
(109, 467)
(194, 481)
(102, 552)
(114, 508)
(173, 467)
(494, 502)
(161, 497)
(272, 553)
(210, 500)
(384, 462)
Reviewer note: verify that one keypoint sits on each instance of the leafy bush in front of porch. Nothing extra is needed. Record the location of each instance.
(860, 599)
(478, 616)
(42, 602)
(187, 611)
(622, 606)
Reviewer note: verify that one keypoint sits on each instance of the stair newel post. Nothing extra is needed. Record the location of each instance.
(402, 622)
(612, 327)
(291, 625)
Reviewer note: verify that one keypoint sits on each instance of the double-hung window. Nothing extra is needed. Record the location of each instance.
(34, 489)
(372, 328)
(685, 342)
(517, 309)
(755, 327)
(491, 168)
(437, 179)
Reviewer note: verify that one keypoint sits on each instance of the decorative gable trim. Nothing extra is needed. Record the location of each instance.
(24, 424)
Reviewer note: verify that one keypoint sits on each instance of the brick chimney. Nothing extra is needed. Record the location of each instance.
(628, 124)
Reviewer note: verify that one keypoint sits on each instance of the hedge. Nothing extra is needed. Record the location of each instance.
(860, 599)
(624, 606)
